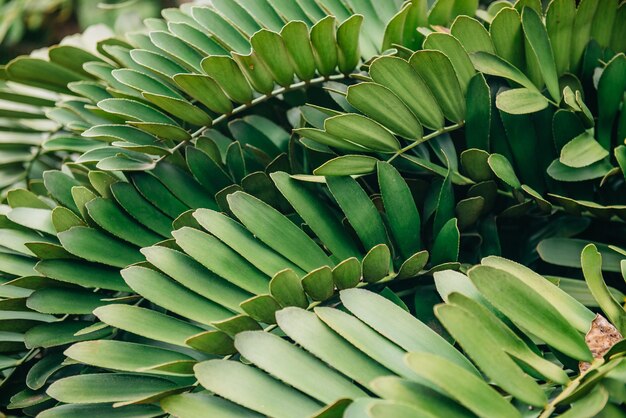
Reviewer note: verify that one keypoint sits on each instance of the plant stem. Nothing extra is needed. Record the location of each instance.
(254, 102)
(569, 389)
(428, 137)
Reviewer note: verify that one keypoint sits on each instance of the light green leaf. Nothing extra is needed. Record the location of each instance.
(521, 101)
(383, 106)
(528, 309)
(466, 388)
(398, 76)
(347, 165)
(591, 261)
(538, 39)
(582, 151)
(363, 131)
(437, 71)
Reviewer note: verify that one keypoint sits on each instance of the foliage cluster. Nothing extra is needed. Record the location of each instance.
(319, 208)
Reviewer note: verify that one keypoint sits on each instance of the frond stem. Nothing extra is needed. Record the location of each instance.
(425, 138)
(254, 102)
(567, 391)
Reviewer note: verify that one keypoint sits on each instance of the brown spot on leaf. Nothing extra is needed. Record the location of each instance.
(442, 29)
(600, 338)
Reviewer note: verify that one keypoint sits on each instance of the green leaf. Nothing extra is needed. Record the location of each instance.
(359, 209)
(59, 185)
(283, 360)
(147, 323)
(131, 357)
(529, 310)
(317, 215)
(363, 131)
(582, 151)
(325, 45)
(80, 411)
(179, 50)
(206, 170)
(611, 88)
(255, 71)
(503, 169)
(271, 49)
(494, 65)
(225, 71)
(466, 388)
(446, 245)
(191, 405)
(603, 22)
(318, 284)
(521, 101)
(94, 246)
(382, 105)
(591, 261)
(402, 213)
(398, 76)
(347, 165)
(348, 34)
(472, 35)
(251, 388)
(107, 387)
(400, 327)
(581, 31)
(559, 24)
(365, 339)
(295, 36)
(182, 109)
(286, 288)
(576, 313)
(478, 117)
(135, 111)
(427, 400)
(493, 329)
(226, 32)
(182, 186)
(376, 408)
(496, 364)
(82, 273)
(261, 308)
(475, 163)
(159, 289)
(561, 172)
(54, 300)
(278, 232)
(325, 138)
(43, 74)
(591, 405)
(60, 333)
(453, 49)
(376, 263)
(33, 218)
(508, 37)
(565, 252)
(225, 262)
(310, 332)
(437, 71)
(139, 208)
(413, 265)
(143, 82)
(42, 370)
(216, 343)
(107, 214)
(538, 39)
(205, 90)
(241, 240)
(347, 274)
